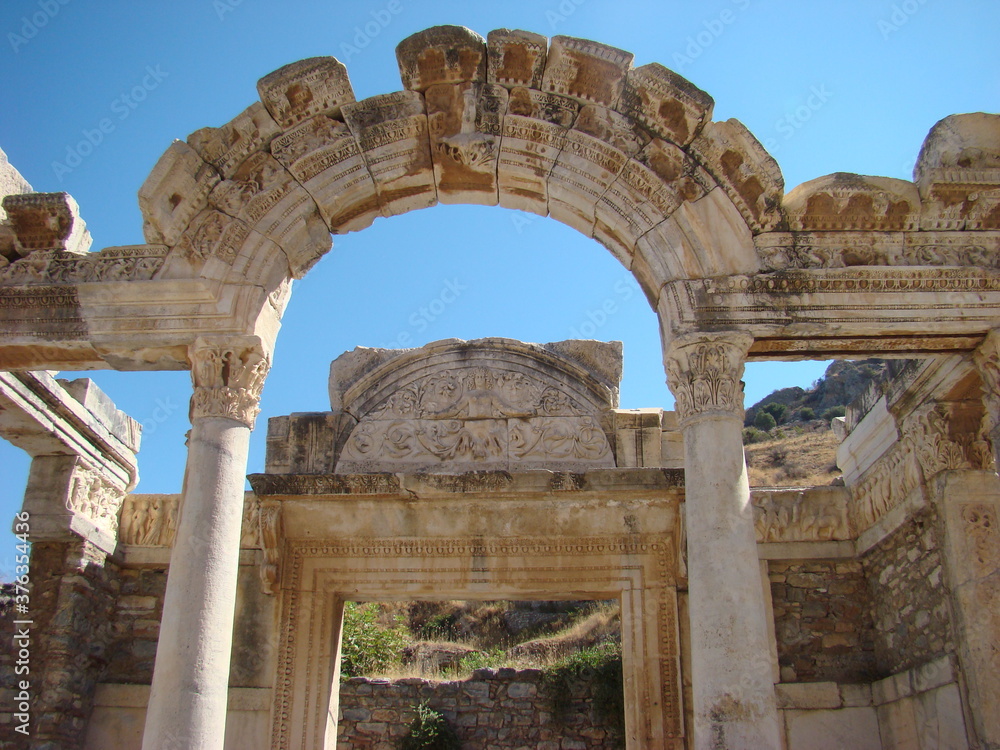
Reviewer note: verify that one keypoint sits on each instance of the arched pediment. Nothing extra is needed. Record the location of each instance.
(487, 404)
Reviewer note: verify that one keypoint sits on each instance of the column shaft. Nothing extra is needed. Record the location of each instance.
(734, 703)
(187, 703)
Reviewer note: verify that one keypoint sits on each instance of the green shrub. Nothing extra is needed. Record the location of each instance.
(430, 729)
(806, 413)
(834, 411)
(753, 435)
(492, 659)
(603, 665)
(368, 647)
(765, 421)
(778, 411)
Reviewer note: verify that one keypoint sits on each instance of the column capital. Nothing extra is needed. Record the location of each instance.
(704, 372)
(228, 374)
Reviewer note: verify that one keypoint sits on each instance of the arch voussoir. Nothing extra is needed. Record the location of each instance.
(749, 175)
(391, 131)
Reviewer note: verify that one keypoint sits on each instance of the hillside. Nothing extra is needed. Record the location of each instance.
(787, 434)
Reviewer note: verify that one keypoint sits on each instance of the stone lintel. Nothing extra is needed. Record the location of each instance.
(488, 483)
(44, 418)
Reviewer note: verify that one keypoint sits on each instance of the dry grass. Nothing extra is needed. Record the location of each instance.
(804, 460)
(596, 625)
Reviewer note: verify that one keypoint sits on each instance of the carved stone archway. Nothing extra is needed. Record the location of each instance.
(843, 265)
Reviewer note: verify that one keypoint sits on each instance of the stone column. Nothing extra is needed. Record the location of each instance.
(987, 359)
(734, 703)
(187, 703)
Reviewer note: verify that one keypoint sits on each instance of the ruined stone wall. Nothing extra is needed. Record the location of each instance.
(138, 610)
(503, 708)
(73, 588)
(909, 602)
(822, 621)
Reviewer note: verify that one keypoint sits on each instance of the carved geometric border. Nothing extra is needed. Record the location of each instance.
(640, 569)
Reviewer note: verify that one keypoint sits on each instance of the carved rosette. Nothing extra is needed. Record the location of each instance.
(704, 373)
(228, 377)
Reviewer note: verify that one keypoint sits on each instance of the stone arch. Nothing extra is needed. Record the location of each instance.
(566, 128)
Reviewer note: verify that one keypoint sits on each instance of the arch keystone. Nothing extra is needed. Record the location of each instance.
(317, 85)
(465, 124)
(516, 58)
(666, 103)
(441, 54)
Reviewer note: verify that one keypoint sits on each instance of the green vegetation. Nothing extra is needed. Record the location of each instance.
(765, 421)
(776, 410)
(430, 729)
(834, 411)
(806, 413)
(368, 647)
(601, 664)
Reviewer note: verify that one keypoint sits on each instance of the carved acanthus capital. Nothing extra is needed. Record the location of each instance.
(228, 376)
(704, 372)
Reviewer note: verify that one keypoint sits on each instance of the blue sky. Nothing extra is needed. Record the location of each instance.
(826, 86)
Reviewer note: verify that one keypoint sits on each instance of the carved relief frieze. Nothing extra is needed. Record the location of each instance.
(704, 373)
(477, 417)
(95, 497)
(149, 520)
(131, 263)
(817, 515)
(228, 378)
(787, 250)
(928, 445)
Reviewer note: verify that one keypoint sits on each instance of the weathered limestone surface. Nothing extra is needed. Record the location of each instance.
(732, 685)
(844, 265)
(187, 705)
(489, 404)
